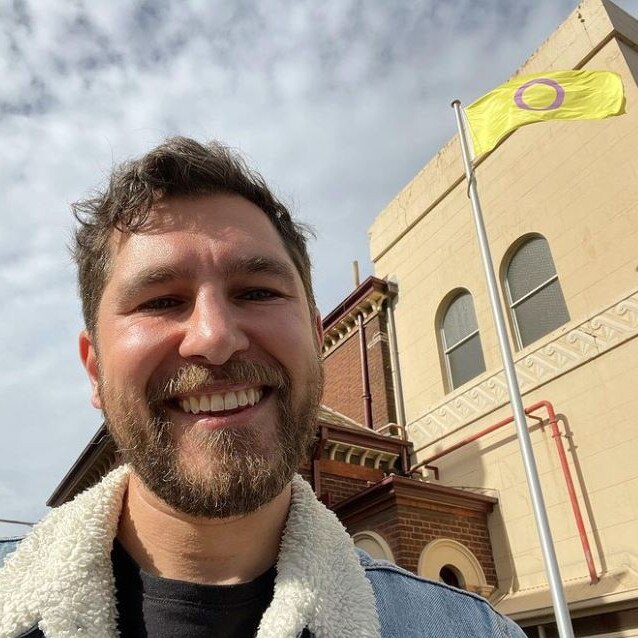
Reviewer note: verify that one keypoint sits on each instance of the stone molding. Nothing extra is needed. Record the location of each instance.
(534, 367)
(366, 301)
(443, 552)
(347, 327)
(368, 537)
(377, 337)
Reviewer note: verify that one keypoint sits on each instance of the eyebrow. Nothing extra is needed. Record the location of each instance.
(260, 265)
(148, 277)
(157, 275)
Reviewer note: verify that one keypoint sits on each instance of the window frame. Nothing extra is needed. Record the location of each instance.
(445, 349)
(512, 305)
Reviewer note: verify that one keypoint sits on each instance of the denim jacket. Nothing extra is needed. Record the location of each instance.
(59, 581)
(411, 606)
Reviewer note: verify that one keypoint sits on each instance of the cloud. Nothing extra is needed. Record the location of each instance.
(338, 103)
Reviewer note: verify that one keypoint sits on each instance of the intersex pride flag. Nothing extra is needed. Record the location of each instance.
(556, 95)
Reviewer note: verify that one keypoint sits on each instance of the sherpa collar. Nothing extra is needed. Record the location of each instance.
(61, 576)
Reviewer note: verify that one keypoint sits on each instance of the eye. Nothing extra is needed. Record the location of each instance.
(161, 303)
(260, 294)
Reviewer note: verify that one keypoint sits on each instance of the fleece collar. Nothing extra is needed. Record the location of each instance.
(61, 576)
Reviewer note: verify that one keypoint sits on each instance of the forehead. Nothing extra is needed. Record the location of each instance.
(219, 225)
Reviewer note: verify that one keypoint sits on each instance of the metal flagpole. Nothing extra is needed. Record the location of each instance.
(563, 620)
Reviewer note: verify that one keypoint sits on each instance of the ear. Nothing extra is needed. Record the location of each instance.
(88, 355)
(318, 331)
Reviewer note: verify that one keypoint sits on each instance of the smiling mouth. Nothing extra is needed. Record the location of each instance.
(221, 402)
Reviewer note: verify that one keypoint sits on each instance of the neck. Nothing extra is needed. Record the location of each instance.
(224, 551)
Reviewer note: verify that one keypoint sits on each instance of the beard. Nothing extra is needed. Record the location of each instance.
(215, 473)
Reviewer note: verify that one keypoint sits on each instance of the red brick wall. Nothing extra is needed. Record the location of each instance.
(337, 488)
(380, 372)
(407, 530)
(344, 390)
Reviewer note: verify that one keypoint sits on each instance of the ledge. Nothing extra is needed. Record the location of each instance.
(366, 300)
(397, 490)
(535, 366)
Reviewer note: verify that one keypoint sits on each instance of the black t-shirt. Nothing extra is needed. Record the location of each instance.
(155, 607)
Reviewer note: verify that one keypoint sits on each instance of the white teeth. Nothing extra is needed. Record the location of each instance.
(220, 403)
(242, 398)
(230, 401)
(217, 403)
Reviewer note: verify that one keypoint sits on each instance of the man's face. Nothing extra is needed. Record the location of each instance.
(205, 356)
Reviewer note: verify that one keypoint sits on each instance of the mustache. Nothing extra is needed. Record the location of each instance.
(193, 377)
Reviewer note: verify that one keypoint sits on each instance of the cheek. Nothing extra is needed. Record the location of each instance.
(293, 345)
(288, 339)
(132, 354)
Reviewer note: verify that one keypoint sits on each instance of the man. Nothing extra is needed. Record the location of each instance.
(202, 345)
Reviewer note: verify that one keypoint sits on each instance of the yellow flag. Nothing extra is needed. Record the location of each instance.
(556, 95)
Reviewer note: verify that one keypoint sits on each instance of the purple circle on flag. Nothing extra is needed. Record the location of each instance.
(558, 100)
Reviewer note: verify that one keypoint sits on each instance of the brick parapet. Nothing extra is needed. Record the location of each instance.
(408, 524)
(336, 488)
(343, 390)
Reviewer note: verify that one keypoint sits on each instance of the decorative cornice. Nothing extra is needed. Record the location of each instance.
(366, 300)
(396, 490)
(380, 459)
(574, 347)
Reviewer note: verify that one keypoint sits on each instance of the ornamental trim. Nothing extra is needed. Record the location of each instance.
(616, 324)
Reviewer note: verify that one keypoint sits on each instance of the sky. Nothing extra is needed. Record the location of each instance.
(337, 103)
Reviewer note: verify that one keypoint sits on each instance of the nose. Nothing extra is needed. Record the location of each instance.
(213, 332)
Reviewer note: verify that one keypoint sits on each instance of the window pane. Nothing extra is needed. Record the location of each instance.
(451, 576)
(459, 320)
(530, 267)
(466, 361)
(541, 313)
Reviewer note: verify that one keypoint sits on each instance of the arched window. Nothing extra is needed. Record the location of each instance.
(537, 305)
(374, 544)
(450, 575)
(450, 562)
(461, 342)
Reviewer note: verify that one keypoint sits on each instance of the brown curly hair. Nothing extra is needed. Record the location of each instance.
(179, 167)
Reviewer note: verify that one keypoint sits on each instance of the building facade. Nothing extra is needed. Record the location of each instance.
(560, 202)
(415, 450)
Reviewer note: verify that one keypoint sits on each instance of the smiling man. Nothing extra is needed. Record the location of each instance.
(214, 408)
(202, 345)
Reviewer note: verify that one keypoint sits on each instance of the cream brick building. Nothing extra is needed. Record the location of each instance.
(571, 188)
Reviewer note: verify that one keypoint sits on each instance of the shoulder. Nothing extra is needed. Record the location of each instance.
(8, 546)
(413, 603)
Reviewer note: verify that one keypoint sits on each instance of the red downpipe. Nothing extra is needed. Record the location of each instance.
(365, 377)
(556, 435)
